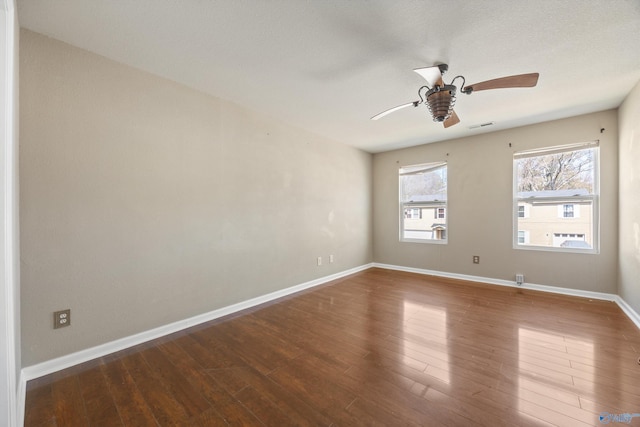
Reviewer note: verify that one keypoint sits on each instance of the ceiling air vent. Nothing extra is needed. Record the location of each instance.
(482, 125)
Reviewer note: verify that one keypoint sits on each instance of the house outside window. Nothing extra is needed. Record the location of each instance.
(556, 195)
(423, 189)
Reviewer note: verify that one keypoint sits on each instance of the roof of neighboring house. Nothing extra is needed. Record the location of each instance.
(553, 193)
(429, 198)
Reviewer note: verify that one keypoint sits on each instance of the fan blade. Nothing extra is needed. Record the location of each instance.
(521, 80)
(432, 75)
(452, 120)
(391, 110)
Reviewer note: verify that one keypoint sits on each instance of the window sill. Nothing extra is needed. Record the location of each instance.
(556, 249)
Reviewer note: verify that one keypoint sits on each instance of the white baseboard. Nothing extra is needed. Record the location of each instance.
(22, 396)
(63, 362)
(630, 312)
(626, 308)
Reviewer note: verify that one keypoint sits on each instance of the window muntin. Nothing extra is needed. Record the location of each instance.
(423, 188)
(556, 194)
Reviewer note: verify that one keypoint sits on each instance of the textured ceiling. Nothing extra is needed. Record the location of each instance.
(328, 66)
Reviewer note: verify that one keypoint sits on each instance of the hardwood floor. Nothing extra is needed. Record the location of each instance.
(376, 348)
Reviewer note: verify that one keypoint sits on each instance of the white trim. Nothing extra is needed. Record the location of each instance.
(626, 308)
(9, 283)
(557, 149)
(630, 312)
(511, 283)
(82, 356)
(22, 397)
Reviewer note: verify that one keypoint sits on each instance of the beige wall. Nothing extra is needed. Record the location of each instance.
(144, 202)
(480, 206)
(629, 274)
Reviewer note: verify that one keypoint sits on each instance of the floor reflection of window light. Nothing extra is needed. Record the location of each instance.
(544, 385)
(416, 318)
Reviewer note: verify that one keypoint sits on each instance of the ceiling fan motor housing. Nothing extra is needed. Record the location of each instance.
(440, 101)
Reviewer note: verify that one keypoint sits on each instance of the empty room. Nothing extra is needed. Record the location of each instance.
(336, 213)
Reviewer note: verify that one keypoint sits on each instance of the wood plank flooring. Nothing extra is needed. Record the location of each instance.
(376, 348)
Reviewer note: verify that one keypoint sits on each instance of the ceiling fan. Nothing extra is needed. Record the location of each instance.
(440, 97)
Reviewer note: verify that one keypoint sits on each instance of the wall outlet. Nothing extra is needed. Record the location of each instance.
(319, 260)
(330, 259)
(519, 279)
(61, 318)
(476, 259)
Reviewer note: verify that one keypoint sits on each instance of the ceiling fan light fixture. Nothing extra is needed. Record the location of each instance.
(441, 97)
(440, 101)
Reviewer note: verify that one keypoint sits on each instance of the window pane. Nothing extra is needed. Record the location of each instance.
(558, 173)
(423, 198)
(558, 192)
(426, 185)
(546, 229)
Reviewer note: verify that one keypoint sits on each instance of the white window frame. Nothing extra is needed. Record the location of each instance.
(575, 200)
(409, 169)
